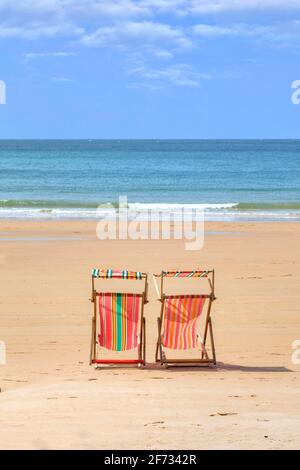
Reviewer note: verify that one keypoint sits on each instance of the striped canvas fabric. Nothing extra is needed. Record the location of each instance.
(119, 320)
(180, 321)
(116, 273)
(185, 273)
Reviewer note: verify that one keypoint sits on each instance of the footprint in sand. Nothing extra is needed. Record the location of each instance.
(155, 423)
(251, 277)
(239, 396)
(162, 378)
(17, 381)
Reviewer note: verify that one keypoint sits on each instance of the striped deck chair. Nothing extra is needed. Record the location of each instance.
(179, 321)
(118, 322)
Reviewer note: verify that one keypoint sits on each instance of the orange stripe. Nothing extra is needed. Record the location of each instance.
(192, 340)
(174, 304)
(183, 317)
(184, 321)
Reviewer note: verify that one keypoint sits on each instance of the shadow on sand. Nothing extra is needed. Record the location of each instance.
(151, 366)
(232, 367)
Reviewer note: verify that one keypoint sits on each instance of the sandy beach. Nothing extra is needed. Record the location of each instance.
(52, 399)
(154, 116)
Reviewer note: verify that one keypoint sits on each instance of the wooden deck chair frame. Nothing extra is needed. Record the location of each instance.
(141, 359)
(160, 354)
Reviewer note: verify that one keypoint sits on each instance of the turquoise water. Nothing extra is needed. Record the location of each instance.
(231, 179)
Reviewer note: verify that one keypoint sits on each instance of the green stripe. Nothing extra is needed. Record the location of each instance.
(119, 321)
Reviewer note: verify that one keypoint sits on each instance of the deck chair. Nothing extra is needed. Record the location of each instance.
(179, 321)
(118, 322)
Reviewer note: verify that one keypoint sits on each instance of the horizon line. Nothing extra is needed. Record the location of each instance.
(148, 138)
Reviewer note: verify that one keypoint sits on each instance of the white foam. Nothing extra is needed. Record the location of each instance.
(212, 212)
(175, 206)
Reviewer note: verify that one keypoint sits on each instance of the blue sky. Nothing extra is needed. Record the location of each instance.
(149, 68)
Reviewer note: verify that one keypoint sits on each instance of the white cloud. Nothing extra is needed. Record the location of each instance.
(61, 79)
(31, 6)
(231, 30)
(156, 29)
(174, 6)
(134, 8)
(146, 31)
(213, 6)
(38, 30)
(178, 74)
(161, 53)
(70, 8)
(211, 30)
(284, 32)
(32, 19)
(42, 55)
(115, 9)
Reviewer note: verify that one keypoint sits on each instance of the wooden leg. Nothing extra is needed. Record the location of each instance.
(140, 346)
(163, 358)
(205, 337)
(158, 341)
(212, 342)
(92, 344)
(206, 326)
(93, 341)
(159, 350)
(94, 330)
(144, 341)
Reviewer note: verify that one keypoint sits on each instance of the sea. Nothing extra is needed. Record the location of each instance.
(231, 180)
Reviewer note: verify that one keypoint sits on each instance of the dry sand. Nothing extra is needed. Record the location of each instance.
(50, 397)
